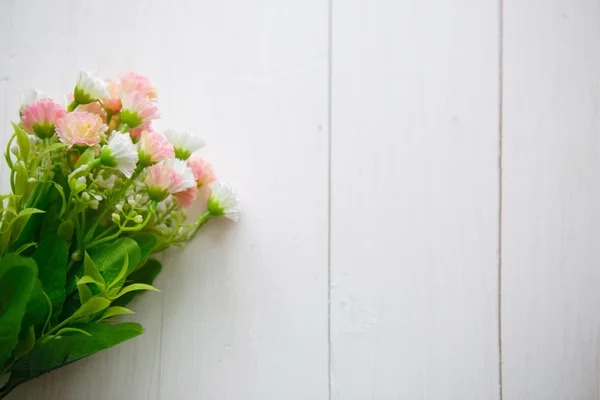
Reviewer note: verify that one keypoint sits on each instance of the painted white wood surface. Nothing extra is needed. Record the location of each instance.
(551, 198)
(414, 195)
(414, 234)
(243, 310)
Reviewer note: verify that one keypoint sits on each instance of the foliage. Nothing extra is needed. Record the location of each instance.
(86, 213)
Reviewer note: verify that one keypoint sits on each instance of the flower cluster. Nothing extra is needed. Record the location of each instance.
(110, 124)
(96, 190)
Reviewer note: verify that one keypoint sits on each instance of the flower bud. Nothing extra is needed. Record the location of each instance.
(138, 219)
(85, 196)
(116, 218)
(15, 150)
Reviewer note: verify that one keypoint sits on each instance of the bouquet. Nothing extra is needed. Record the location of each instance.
(96, 192)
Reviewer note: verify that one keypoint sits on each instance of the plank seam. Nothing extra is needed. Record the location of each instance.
(500, 181)
(329, 144)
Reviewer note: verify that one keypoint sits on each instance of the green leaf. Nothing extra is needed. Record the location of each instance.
(146, 242)
(146, 274)
(61, 191)
(7, 154)
(85, 279)
(122, 273)
(91, 270)
(114, 311)
(49, 305)
(37, 309)
(136, 286)
(92, 306)
(17, 278)
(84, 293)
(51, 257)
(55, 353)
(23, 141)
(110, 257)
(21, 179)
(74, 330)
(49, 224)
(86, 158)
(28, 211)
(65, 230)
(25, 247)
(18, 223)
(22, 218)
(25, 345)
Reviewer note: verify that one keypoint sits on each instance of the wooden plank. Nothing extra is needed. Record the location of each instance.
(243, 311)
(551, 219)
(415, 200)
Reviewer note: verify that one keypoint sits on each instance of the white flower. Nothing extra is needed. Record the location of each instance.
(89, 88)
(224, 202)
(30, 96)
(185, 142)
(120, 153)
(108, 183)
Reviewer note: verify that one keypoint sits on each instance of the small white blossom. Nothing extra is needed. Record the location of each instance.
(224, 202)
(90, 88)
(184, 142)
(138, 219)
(120, 153)
(94, 204)
(85, 196)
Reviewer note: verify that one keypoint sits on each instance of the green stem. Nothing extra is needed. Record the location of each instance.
(55, 329)
(109, 207)
(123, 228)
(73, 105)
(70, 264)
(201, 221)
(124, 127)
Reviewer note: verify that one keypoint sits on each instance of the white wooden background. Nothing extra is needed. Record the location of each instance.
(421, 185)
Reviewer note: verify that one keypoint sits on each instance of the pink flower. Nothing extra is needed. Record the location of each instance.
(80, 128)
(113, 102)
(153, 147)
(204, 173)
(137, 109)
(168, 177)
(186, 198)
(40, 117)
(132, 82)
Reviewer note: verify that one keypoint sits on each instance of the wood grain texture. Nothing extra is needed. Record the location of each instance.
(551, 193)
(243, 310)
(414, 202)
